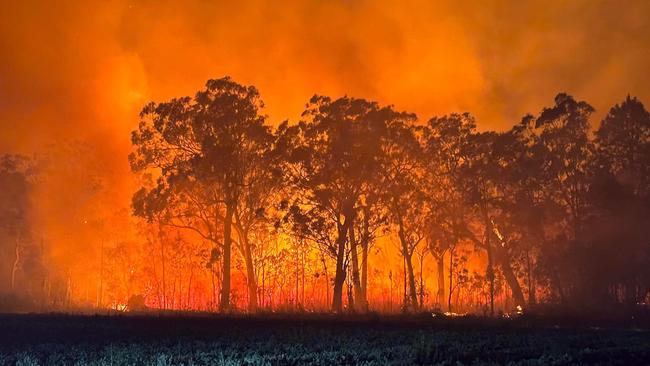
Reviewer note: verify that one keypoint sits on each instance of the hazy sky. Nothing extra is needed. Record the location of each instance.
(84, 69)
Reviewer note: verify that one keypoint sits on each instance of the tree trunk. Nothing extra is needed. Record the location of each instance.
(356, 281)
(302, 275)
(503, 259)
(339, 277)
(422, 280)
(451, 279)
(365, 243)
(162, 257)
(214, 290)
(441, 279)
(490, 271)
(327, 279)
(224, 304)
(412, 296)
(411, 279)
(189, 289)
(364, 272)
(14, 267)
(251, 279)
(297, 273)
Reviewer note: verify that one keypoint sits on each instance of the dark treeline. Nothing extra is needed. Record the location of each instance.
(561, 213)
(557, 210)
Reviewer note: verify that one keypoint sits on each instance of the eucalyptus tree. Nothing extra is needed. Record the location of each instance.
(370, 223)
(561, 155)
(521, 212)
(332, 164)
(565, 148)
(464, 192)
(495, 195)
(262, 182)
(202, 153)
(446, 143)
(401, 180)
(620, 195)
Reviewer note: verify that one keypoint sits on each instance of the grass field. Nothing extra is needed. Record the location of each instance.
(317, 340)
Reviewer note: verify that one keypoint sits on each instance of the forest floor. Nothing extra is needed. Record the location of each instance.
(164, 339)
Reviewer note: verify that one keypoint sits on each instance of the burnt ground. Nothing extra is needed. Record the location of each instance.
(280, 339)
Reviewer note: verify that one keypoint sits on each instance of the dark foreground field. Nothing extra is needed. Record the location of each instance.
(316, 340)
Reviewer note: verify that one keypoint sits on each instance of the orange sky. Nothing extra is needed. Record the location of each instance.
(74, 70)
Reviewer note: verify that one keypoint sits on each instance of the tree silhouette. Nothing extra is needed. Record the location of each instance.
(204, 149)
(543, 213)
(332, 164)
(401, 181)
(620, 196)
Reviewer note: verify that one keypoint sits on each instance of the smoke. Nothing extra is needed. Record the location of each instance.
(75, 71)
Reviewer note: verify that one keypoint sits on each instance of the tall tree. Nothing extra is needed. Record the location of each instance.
(332, 162)
(447, 145)
(402, 189)
(463, 164)
(563, 151)
(261, 182)
(202, 150)
(565, 148)
(620, 194)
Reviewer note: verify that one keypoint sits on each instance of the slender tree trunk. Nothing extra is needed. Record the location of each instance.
(302, 274)
(407, 254)
(14, 267)
(297, 273)
(251, 278)
(327, 279)
(162, 257)
(441, 279)
(173, 307)
(224, 304)
(411, 281)
(356, 281)
(351, 304)
(214, 289)
(339, 278)
(422, 280)
(490, 271)
(262, 289)
(364, 272)
(503, 259)
(405, 299)
(451, 278)
(390, 303)
(365, 243)
(189, 289)
(489, 228)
